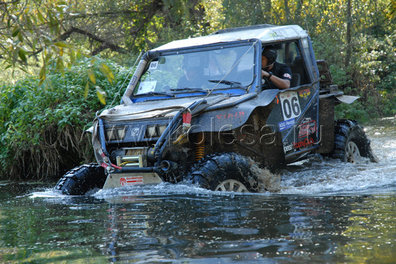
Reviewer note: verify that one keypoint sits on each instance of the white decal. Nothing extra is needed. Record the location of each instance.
(147, 86)
(287, 148)
(135, 132)
(290, 105)
(153, 65)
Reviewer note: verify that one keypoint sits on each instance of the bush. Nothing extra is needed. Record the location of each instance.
(370, 75)
(42, 126)
(373, 71)
(355, 111)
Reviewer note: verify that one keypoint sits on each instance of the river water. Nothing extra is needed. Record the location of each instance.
(326, 212)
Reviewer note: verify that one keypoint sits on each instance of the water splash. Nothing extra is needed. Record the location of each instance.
(320, 176)
(316, 176)
(267, 180)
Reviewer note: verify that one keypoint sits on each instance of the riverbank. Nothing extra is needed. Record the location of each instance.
(42, 127)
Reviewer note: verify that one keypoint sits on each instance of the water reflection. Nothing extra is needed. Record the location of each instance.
(371, 233)
(234, 228)
(196, 226)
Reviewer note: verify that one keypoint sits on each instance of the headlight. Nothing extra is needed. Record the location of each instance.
(151, 131)
(115, 133)
(161, 129)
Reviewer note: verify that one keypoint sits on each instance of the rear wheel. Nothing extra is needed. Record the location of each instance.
(81, 179)
(351, 143)
(225, 172)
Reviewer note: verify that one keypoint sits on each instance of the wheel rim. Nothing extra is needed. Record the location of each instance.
(352, 152)
(231, 186)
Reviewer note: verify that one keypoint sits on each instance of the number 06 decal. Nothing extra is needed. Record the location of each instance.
(290, 105)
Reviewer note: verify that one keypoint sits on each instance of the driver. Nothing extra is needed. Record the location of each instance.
(192, 70)
(276, 75)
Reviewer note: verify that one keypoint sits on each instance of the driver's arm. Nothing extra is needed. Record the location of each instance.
(278, 82)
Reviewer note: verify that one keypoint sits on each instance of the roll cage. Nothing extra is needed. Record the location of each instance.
(295, 53)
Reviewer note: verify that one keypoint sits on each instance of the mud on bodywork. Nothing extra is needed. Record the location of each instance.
(196, 101)
(169, 129)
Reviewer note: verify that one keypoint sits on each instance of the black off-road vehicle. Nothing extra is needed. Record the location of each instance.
(195, 109)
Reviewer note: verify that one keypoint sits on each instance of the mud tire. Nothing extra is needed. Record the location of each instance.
(226, 170)
(349, 136)
(81, 179)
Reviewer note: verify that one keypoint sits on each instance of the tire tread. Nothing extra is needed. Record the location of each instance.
(81, 179)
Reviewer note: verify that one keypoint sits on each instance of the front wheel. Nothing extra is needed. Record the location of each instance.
(81, 179)
(225, 172)
(231, 185)
(351, 143)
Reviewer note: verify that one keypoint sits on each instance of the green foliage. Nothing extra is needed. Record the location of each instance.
(355, 111)
(340, 77)
(371, 76)
(374, 71)
(40, 122)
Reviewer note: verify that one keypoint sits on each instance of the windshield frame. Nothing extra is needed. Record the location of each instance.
(233, 90)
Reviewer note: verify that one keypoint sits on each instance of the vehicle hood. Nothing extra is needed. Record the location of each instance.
(160, 108)
(216, 112)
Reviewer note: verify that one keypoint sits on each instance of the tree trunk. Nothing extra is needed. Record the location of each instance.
(297, 16)
(348, 34)
(257, 12)
(267, 11)
(287, 11)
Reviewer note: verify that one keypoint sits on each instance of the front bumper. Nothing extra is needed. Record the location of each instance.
(116, 180)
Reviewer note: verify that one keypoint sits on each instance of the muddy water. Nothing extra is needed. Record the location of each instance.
(325, 212)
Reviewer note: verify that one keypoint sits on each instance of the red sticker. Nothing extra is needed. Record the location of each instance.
(133, 180)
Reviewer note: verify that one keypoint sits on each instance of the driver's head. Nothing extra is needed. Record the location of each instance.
(192, 66)
(268, 57)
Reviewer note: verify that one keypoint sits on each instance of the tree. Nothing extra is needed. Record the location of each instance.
(53, 33)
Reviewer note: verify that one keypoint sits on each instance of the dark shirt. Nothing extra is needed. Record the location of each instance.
(279, 70)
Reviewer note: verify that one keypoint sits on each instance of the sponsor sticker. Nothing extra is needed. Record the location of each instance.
(287, 148)
(305, 143)
(306, 128)
(231, 115)
(286, 124)
(304, 93)
(132, 180)
(134, 80)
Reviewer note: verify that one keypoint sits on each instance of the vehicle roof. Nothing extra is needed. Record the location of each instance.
(265, 33)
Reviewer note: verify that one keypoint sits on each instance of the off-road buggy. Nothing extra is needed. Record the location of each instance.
(195, 110)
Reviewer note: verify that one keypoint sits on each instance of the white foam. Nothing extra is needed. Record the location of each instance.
(50, 193)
